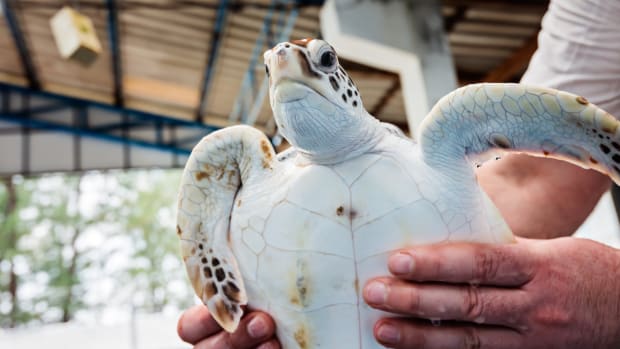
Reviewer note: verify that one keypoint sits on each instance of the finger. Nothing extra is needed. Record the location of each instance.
(271, 344)
(482, 305)
(500, 265)
(196, 324)
(399, 333)
(255, 329)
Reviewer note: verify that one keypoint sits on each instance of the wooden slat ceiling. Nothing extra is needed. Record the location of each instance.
(165, 44)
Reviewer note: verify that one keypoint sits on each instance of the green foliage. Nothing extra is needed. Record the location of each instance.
(79, 244)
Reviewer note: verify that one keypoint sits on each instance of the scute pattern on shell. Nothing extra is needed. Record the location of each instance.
(296, 235)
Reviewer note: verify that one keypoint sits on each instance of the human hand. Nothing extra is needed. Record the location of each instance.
(562, 293)
(197, 327)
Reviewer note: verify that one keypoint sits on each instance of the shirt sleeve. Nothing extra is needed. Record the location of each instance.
(579, 51)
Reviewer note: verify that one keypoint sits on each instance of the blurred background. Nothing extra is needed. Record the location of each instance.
(101, 102)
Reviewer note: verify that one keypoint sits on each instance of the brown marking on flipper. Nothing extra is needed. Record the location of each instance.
(592, 160)
(201, 175)
(582, 100)
(264, 146)
(356, 286)
(222, 313)
(301, 337)
(232, 292)
(266, 149)
(210, 289)
(194, 276)
(179, 232)
(609, 124)
(239, 203)
(545, 153)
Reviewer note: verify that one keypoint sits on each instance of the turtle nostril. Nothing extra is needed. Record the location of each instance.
(281, 52)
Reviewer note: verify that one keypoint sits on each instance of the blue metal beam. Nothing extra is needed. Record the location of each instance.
(247, 85)
(20, 43)
(136, 114)
(34, 118)
(216, 42)
(113, 38)
(52, 126)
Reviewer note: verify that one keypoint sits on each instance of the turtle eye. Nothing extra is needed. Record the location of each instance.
(328, 59)
(267, 70)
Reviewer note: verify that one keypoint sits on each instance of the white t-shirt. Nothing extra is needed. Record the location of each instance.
(579, 51)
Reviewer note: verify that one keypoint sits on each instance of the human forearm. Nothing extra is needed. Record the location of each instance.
(541, 198)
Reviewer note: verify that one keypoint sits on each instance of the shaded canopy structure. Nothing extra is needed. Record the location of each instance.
(173, 70)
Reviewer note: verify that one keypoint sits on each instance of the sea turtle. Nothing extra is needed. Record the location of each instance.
(297, 234)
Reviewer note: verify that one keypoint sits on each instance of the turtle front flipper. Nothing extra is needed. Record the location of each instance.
(216, 169)
(475, 119)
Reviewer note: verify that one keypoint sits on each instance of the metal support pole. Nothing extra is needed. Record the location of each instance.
(20, 43)
(216, 42)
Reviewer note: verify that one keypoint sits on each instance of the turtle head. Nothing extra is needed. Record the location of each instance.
(310, 66)
(315, 103)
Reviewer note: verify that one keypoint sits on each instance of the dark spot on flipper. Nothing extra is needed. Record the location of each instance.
(334, 83)
(605, 148)
(207, 272)
(200, 246)
(355, 103)
(616, 158)
(592, 160)
(349, 93)
(344, 97)
(232, 276)
(545, 153)
(616, 168)
(500, 141)
(179, 232)
(215, 261)
(210, 289)
(204, 260)
(219, 274)
(616, 145)
(231, 291)
(356, 93)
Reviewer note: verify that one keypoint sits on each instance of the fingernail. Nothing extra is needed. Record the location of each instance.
(401, 263)
(257, 327)
(376, 293)
(388, 334)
